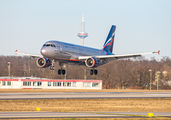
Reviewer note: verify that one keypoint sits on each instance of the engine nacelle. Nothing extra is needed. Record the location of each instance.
(43, 62)
(91, 62)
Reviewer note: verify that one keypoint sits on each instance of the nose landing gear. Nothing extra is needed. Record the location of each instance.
(52, 67)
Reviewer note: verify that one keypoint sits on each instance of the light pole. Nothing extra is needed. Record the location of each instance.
(85, 76)
(150, 77)
(9, 68)
(65, 72)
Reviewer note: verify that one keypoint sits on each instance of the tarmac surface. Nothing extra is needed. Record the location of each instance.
(17, 115)
(84, 95)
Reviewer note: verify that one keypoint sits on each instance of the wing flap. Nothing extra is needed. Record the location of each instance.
(113, 57)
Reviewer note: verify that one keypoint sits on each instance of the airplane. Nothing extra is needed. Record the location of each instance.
(67, 53)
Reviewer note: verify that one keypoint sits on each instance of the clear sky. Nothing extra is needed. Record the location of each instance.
(141, 25)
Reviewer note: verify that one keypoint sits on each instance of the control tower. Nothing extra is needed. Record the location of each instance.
(82, 34)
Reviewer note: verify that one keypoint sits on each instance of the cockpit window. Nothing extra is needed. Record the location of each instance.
(49, 45)
(52, 45)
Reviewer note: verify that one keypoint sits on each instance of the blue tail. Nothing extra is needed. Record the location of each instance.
(108, 45)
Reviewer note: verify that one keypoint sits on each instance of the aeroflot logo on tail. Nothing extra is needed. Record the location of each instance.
(110, 39)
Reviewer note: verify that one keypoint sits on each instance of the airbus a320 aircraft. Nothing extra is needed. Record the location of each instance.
(66, 53)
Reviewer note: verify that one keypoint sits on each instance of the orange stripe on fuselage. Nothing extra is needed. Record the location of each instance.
(73, 60)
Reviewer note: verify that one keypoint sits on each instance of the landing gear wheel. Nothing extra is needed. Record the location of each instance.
(95, 72)
(63, 72)
(91, 72)
(59, 72)
(52, 68)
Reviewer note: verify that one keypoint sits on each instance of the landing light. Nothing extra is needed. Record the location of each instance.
(43, 51)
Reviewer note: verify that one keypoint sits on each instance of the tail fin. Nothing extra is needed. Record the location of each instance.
(108, 45)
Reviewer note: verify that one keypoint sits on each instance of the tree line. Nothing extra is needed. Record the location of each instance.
(127, 73)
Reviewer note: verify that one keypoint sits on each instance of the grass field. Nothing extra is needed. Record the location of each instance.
(98, 119)
(76, 90)
(74, 105)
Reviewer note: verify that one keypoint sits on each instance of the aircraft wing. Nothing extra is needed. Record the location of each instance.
(116, 57)
(26, 54)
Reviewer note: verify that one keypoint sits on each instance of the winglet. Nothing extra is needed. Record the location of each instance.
(16, 51)
(157, 52)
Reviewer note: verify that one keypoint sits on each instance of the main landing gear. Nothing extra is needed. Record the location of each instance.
(61, 71)
(93, 71)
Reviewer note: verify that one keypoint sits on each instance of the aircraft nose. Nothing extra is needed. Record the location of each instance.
(44, 51)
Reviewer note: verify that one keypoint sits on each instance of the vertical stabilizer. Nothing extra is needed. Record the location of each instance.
(108, 45)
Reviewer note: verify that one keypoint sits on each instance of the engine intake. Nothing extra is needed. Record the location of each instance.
(91, 62)
(43, 62)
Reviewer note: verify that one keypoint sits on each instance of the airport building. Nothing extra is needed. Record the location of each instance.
(43, 83)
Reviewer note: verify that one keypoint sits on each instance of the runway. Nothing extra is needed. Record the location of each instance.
(84, 95)
(17, 115)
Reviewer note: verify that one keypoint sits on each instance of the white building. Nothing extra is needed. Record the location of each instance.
(43, 83)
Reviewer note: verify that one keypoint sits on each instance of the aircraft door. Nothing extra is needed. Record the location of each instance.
(58, 47)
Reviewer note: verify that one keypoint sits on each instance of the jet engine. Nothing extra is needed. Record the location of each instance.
(43, 62)
(91, 62)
